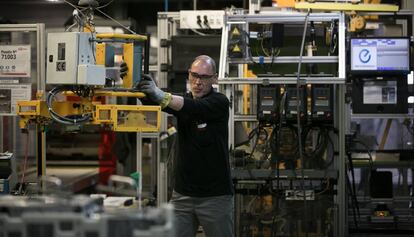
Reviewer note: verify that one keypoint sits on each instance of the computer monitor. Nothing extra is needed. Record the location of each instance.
(387, 95)
(380, 56)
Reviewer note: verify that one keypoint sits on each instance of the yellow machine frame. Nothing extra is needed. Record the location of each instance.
(135, 116)
(335, 6)
(36, 111)
(135, 120)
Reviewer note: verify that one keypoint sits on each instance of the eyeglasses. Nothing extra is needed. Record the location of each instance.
(200, 76)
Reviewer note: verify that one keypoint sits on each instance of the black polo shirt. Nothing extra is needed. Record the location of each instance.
(202, 165)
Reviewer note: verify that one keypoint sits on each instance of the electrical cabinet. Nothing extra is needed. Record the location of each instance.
(279, 192)
(65, 53)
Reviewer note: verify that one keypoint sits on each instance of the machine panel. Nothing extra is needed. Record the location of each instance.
(65, 52)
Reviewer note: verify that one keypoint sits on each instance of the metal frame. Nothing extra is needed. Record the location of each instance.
(228, 84)
(280, 80)
(40, 145)
(404, 18)
(290, 59)
(286, 18)
(41, 50)
(166, 27)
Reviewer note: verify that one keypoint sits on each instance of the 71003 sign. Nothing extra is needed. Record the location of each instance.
(14, 60)
(10, 56)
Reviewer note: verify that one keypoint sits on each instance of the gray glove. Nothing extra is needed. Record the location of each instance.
(148, 86)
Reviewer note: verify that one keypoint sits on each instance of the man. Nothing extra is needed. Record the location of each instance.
(203, 193)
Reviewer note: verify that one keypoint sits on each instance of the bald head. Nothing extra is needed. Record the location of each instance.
(205, 61)
(202, 75)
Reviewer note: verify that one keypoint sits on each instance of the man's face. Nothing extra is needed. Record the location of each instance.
(201, 77)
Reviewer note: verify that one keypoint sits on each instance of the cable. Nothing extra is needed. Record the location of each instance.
(71, 26)
(26, 156)
(88, 18)
(334, 38)
(198, 32)
(109, 17)
(314, 158)
(353, 198)
(370, 160)
(275, 149)
(93, 45)
(294, 210)
(256, 132)
(274, 54)
(333, 151)
(103, 13)
(105, 5)
(263, 49)
(326, 188)
(298, 121)
(72, 119)
(351, 185)
(74, 6)
(324, 141)
(249, 54)
(371, 169)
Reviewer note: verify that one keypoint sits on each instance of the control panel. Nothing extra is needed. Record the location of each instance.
(66, 52)
(201, 19)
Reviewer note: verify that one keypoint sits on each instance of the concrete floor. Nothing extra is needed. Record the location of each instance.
(351, 235)
(201, 234)
(379, 235)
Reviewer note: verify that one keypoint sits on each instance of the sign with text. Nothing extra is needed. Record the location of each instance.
(14, 60)
(10, 94)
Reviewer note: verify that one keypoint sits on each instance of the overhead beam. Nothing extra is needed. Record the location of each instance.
(328, 6)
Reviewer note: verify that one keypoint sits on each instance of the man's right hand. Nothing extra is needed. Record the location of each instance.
(123, 69)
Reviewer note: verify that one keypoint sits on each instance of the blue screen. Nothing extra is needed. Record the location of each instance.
(380, 54)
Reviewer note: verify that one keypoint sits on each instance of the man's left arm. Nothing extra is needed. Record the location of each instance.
(176, 103)
(208, 107)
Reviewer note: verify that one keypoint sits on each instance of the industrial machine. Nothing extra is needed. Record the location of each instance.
(288, 74)
(379, 68)
(379, 166)
(76, 67)
(75, 117)
(289, 173)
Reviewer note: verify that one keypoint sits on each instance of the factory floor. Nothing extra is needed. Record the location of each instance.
(351, 235)
(366, 234)
(378, 235)
(200, 234)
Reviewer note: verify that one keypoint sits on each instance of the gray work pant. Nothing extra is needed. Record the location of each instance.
(214, 214)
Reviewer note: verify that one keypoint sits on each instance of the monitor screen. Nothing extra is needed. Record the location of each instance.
(380, 55)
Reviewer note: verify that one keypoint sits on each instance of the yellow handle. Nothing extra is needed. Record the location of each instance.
(122, 36)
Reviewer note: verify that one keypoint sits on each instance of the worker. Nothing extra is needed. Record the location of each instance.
(203, 192)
